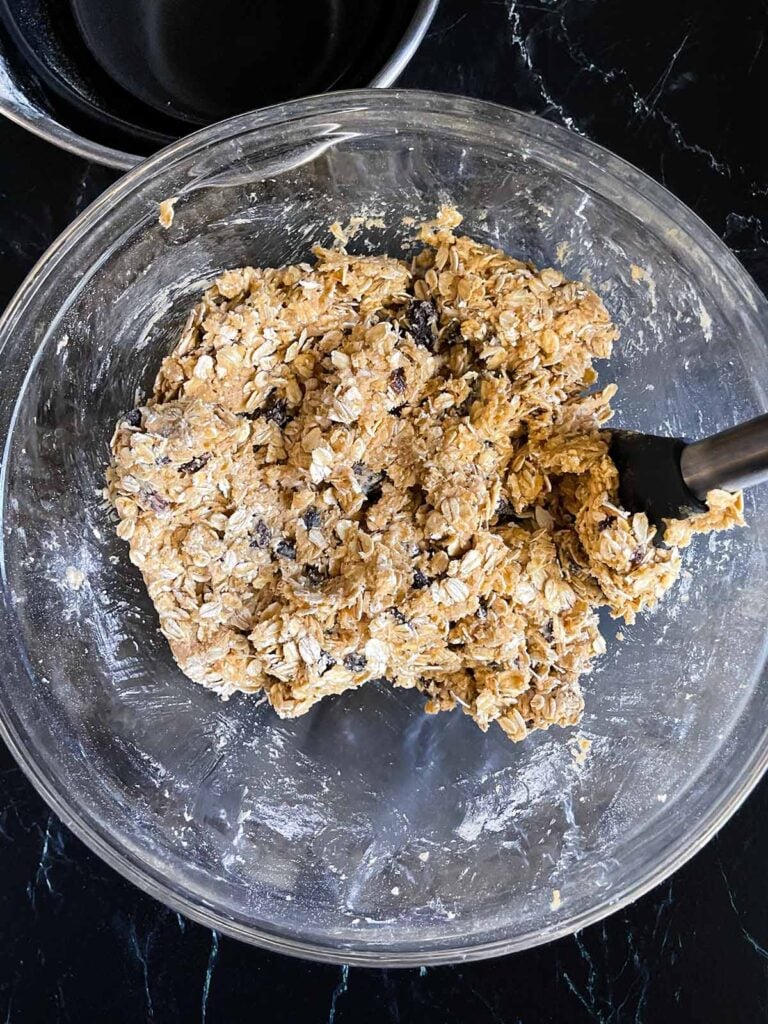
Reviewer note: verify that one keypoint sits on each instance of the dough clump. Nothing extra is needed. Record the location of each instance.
(368, 469)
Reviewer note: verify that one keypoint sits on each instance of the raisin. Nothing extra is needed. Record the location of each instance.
(325, 662)
(286, 549)
(505, 512)
(261, 535)
(367, 478)
(154, 501)
(355, 662)
(422, 323)
(370, 481)
(312, 517)
(133, 419)
(314, 575)
(194, 465)
(276, 411)
(397, 381)
(605, 523)
(372, 496)
(375, 484)
(637, 557)
(452, 333)
(420, 580)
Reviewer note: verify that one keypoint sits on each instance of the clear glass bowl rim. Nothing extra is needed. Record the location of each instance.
(537, 134)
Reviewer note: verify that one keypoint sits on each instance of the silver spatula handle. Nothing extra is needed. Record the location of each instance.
(730, 460)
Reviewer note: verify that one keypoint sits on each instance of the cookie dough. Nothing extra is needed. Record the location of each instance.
(367, 468)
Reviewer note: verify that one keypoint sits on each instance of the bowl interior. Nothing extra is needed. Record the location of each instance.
(366, 829)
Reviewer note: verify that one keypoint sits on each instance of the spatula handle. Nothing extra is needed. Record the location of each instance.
(731, 460)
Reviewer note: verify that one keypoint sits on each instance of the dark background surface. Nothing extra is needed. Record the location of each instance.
(678, 88)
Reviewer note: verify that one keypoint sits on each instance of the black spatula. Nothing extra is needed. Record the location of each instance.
(668, 478)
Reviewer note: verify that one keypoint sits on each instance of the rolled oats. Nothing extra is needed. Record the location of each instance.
(366, 468)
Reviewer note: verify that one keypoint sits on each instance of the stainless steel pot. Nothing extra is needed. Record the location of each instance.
(22, 101)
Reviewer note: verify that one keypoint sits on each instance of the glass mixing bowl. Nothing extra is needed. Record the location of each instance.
(367, 832)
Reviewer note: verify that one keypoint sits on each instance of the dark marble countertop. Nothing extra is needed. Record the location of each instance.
(673, 87)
